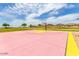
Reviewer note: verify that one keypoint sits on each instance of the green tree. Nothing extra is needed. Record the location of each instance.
(5, 25)
(24, 25)
(39, 25)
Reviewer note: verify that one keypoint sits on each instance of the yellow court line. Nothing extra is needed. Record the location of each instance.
(72, 49)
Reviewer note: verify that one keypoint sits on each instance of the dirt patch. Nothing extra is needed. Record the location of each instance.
(76, 37)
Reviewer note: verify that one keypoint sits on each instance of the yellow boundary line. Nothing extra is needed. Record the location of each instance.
(72, 49)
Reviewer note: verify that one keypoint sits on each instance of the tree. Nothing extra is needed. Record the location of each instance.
(39, 24)
(24, 25)
(5, 25)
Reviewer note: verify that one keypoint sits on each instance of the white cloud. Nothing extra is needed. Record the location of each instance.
(53, 7)
(70, 6)
(31, 20)
(6, 15)
(51, 20)
(36, 9)
(25, 8)
(16, 23)
(69, 18)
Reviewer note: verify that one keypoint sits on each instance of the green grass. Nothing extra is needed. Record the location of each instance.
(51, 28)
(12, 29)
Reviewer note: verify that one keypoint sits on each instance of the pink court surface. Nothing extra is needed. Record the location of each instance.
(33, 43)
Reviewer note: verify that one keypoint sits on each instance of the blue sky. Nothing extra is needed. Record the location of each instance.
(37, 13)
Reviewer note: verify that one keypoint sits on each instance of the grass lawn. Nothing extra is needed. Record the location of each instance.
(38, 28)
(12, 29)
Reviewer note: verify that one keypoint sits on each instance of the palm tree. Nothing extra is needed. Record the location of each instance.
(5, 25)
(24, 25)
